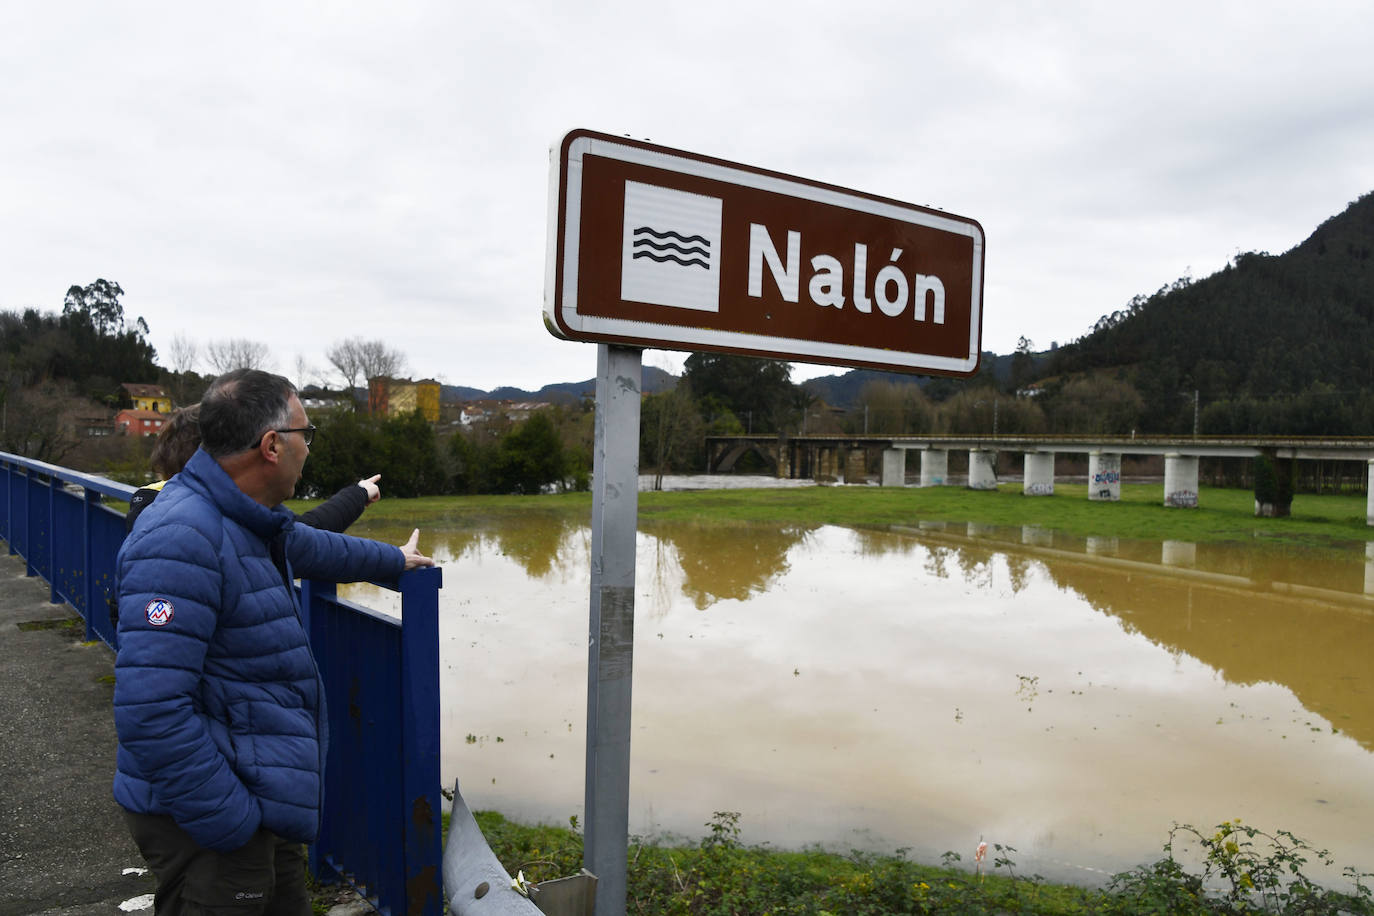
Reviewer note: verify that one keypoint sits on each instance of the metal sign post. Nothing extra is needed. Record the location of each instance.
(656, 247)
(610, 653)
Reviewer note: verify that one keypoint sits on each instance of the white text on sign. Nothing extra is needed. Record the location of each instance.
(891, 291)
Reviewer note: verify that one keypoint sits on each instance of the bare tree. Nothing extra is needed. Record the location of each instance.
(376, 358)
(307, 374)
(359, 357)
(40, 422)
(237, 353)
(344, 357)
(182, 354)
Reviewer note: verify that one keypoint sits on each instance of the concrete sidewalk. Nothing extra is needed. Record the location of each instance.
(63, 845)
(64, 849)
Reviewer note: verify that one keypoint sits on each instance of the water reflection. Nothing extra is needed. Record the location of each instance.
(926, 687)
(720, 562)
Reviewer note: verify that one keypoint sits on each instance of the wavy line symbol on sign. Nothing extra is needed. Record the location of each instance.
(670, 248)
(667, 245)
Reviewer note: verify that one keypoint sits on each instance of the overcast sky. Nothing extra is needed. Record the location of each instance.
(297, 173)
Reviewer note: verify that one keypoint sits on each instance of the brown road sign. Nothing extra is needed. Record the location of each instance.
(655, 247)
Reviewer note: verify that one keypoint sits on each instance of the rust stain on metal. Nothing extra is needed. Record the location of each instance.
(421, 813)
(421, 890)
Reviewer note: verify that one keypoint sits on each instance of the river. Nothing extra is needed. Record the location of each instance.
(924, 688)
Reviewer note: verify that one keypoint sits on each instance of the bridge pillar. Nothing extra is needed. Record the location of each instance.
(982, 473)
(829, 462)
(1104, 476)
(855, 465)
(935, 467)
(894, 467)
(782, 459)
(1039, 474)
(1180, 481)
(1369, 500)
(1369, 565)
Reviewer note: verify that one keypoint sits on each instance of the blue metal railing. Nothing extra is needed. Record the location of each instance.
(382, 774)
(380, 828)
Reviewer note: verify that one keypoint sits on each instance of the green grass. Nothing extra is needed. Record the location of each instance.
(1243, 870)
(720, 876)
(1222, 514)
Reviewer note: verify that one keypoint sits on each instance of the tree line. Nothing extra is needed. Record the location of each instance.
(1271, 345)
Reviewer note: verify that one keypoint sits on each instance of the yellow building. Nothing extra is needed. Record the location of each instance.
(389, 397)
(148, 397)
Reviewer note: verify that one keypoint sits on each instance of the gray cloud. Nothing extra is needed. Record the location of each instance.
(301, 174)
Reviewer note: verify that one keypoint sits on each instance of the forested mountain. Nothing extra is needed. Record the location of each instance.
(1289, 337)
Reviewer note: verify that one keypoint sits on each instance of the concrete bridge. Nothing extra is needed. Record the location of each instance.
(849, 457)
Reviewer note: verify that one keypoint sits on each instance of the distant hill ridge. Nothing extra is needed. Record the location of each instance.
(653, 380)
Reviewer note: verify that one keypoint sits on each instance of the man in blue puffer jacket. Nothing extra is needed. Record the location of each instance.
(218, 703)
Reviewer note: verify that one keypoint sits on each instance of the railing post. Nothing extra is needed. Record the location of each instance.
(29, 568)
(53, 595)
(9, 510)
(420, 740)
(90, 500)
(315, 592)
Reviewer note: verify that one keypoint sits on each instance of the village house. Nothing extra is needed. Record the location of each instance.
(132, 422)
(147, 397)
(93, 423)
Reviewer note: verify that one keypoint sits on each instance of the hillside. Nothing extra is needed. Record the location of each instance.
(1265, 326)
(844, 390)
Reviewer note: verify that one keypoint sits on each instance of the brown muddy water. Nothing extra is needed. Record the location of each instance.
(925, 688)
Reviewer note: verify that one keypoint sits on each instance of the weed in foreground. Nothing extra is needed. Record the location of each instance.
(1242, 870)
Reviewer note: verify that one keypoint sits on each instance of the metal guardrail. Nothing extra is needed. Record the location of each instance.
(380, 828)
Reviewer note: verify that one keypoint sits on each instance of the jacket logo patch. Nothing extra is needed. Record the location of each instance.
(159, 612)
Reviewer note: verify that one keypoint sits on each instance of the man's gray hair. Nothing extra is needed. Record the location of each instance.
(240, 407)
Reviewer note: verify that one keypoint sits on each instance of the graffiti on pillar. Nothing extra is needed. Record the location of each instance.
(1104, 493)
(1040, 489)
(1107, 477)
(1182, 499)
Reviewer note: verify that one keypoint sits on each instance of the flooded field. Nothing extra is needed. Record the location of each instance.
(925, 688)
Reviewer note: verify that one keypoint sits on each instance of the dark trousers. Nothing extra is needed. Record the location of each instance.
(265, 877)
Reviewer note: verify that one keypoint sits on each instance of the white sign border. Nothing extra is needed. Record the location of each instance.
(672, 336)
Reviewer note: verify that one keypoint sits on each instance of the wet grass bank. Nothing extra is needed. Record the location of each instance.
(1232, 869)
(1222, 514)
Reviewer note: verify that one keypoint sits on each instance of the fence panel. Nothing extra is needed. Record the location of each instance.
(382, 681)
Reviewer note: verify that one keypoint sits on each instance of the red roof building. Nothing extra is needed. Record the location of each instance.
(133, 422)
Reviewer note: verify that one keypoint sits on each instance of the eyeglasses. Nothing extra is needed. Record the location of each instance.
(307, 431)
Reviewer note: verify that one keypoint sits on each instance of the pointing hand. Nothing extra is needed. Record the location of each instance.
(411, 551)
